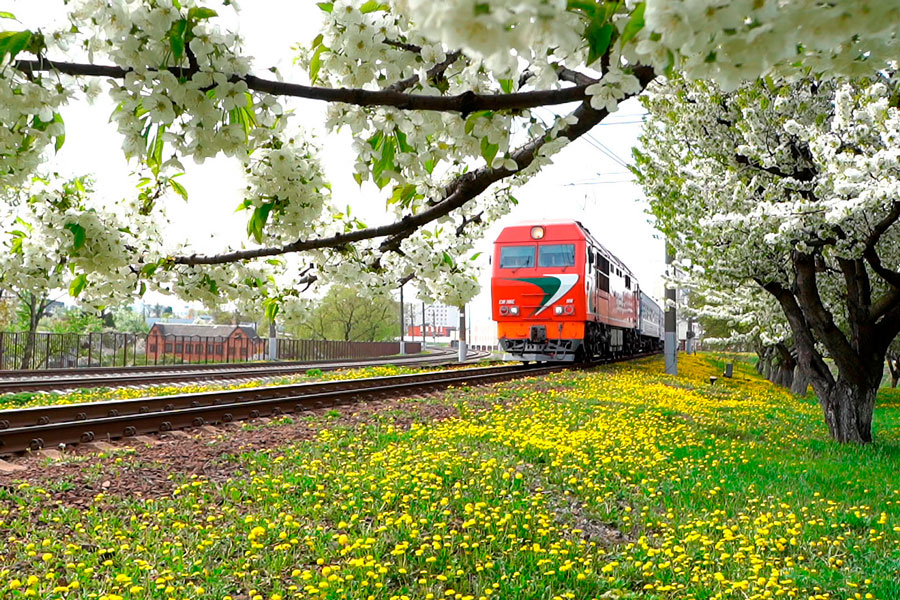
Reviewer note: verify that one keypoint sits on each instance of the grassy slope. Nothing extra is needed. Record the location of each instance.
(622, 483)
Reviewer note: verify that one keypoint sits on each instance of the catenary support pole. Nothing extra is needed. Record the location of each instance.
(462, 334)
(423, 326)
(402, 323)
(671, 339)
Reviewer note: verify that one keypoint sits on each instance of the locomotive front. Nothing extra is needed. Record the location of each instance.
(538, 291)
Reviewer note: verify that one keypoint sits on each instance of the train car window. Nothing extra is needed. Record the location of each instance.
(604, 283)
(556, 255)
(627, 282)
(516, 257)
(603, 263)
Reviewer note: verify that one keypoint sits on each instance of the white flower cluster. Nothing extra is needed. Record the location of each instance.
(728, 41)
(29, 123)
(501, 32)
(194, 102)
(286, 184)
(57, 237)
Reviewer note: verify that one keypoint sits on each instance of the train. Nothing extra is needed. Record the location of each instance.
(558, 295)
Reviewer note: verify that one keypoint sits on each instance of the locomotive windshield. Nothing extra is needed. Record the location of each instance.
(515, 257)
(556, 255)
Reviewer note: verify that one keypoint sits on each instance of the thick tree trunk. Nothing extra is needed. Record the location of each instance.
(848, 410)
(893, 362)
(800, 385)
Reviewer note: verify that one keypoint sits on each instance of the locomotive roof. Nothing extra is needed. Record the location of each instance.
(561, 230)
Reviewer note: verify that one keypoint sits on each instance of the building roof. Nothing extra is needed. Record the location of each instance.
(194, 329)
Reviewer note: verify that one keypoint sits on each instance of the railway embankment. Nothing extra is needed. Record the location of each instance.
(618, 482)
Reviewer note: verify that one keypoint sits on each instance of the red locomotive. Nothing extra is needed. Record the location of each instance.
(559, 295)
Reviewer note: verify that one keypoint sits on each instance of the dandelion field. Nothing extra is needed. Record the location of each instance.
(615, 483)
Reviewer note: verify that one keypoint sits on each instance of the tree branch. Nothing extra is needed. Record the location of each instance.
(808, 356)
(820, 319)
(462, 190)
(465, 103)
(436, 70)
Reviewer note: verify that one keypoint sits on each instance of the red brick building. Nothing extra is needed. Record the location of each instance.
(204, 343)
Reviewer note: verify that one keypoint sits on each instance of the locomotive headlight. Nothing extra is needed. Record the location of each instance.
(513, 310)
(537, 233)
(569, 310)
(504, 310)
(558, 310)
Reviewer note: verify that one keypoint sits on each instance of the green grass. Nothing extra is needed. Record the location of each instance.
(619, 483)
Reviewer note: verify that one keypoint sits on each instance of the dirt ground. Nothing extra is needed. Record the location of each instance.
(144, 469)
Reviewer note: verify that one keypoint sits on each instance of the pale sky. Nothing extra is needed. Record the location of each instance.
(586, 181)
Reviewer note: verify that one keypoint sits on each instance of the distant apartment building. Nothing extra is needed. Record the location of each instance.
(204, 343)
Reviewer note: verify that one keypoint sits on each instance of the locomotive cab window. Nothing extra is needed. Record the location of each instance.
(515, 257)
(556, 255)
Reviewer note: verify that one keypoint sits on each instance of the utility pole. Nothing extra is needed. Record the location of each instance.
(423, 326)
(462, 333)
(402, 323)
(671, 340)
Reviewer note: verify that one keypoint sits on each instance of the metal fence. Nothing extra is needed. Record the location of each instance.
(326, 350)
(71, 351)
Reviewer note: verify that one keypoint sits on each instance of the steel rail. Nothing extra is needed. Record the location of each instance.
(83, 411)
(148, 378)
(35, 437)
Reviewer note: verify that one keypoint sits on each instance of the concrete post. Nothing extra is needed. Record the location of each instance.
(402, 323)
(462, 334)
(671, 339)
(273, 342)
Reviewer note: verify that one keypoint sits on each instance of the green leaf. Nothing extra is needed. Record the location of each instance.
(78, 284)
(598, 39)
(471, 119)
(258, 221)
(176, 38)
(635, 23)
(7, 15)
(506, 85)
(429, 165)
(271, 310)
(488, 150)
(179, 189)
(13, 42)
(199, 13)
(61, 138)
(79, 234)
(482, 8)
(326, 6)
(315, 63)
(149, 269)
(318, 40)
(373, 6)
(384, 163)
(448, 260)
(475, 256)
(583, 6)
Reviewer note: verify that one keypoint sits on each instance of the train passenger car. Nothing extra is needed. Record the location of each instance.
(652, 326)
(559, 295)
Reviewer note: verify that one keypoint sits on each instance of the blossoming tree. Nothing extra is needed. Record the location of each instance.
(793, 187)
(439, 96)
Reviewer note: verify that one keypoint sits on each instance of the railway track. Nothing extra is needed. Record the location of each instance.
(51, 426)
(54, 379)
